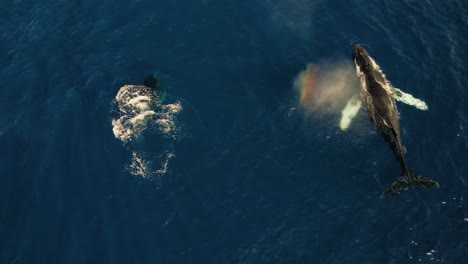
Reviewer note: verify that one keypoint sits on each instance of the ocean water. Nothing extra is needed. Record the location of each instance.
(232, 167)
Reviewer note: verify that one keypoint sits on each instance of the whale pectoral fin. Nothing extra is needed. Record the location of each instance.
(396, 93)
(349, 112)
(408, 99)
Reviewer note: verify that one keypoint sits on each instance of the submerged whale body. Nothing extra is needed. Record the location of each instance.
(151, 82)
(380, 102)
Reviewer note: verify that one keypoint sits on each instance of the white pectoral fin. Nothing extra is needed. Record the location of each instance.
(406, 98)
(350, 111)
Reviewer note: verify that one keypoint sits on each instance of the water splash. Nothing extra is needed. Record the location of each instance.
(139, 109)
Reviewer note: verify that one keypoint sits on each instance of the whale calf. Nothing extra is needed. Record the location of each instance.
(378, 96)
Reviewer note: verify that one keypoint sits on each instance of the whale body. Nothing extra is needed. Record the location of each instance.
(378, 97)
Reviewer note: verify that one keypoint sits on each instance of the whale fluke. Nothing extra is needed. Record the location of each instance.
(407, 181)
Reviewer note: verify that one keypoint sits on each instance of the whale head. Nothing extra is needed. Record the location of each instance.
(360, 57)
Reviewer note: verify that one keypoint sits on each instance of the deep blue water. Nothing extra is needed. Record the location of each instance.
(252, 181)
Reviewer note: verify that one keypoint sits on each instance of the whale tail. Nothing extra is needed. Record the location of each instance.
(406, 181)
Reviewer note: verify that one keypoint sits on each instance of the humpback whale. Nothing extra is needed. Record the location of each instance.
(379, 99)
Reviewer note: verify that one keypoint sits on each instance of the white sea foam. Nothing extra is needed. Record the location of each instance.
(141, 119)
(165, 165)
(140, 102)
(166, 118)
(139, 108)
(142, 166)
(139, 166)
